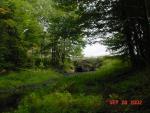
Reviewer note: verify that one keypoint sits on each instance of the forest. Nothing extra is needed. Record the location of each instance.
(43, 68)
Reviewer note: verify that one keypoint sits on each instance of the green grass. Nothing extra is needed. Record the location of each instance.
(90, 82)
(134, 87)
(60, 103)
(79, 93)
(16, 79)
(137, 84)
(87, 92)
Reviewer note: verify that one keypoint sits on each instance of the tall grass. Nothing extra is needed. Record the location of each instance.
(78, 93)
(60, 103)
(83, 92)
(83, 82)
(15, 79)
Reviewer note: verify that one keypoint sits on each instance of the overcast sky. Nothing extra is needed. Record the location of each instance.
(95, 50)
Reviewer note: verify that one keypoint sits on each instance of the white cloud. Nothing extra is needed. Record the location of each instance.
(95, 50)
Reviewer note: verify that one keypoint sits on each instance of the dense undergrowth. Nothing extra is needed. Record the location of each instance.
(88, 92)
(33, 76)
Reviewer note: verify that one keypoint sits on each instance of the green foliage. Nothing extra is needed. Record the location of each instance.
(39, 29)
(135, 80)
(68, 67)
(116, 44)
(62, 32)
(87, 92)
(60, 103)
(19, 30)
(123, 25)
(37, 33)
(16, 79)
(82, 82)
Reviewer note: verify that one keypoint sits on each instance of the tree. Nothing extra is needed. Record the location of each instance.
(65, 37)
(11, 51)
(16, 21)
(128, 18)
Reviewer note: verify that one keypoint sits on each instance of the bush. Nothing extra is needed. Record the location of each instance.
(60, 103)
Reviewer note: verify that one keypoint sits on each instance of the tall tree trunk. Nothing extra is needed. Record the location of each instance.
(130, 44)
(146, 30)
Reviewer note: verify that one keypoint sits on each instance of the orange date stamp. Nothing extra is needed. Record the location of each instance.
(125, 102)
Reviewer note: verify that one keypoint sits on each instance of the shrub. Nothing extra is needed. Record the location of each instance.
(60, 103)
